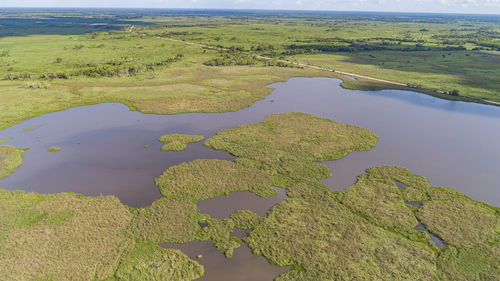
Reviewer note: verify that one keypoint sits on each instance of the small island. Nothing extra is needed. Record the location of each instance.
(178, 142)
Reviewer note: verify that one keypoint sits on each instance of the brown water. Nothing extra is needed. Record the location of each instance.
(243, 266)
(452, 143)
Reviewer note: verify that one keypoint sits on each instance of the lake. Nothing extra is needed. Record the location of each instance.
(452, 143)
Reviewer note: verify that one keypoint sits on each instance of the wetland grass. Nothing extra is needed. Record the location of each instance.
(363, 233)
(148, 72)
(148, 261)
(367, 231)
(10, 159)
(178, 142)
(4, 140)
(245, 219)
(293, 136)
(204, 179)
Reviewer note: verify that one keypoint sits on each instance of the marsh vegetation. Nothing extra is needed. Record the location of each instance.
(147, 71)
(178, 142)
(363, 232)
(10, 159)
(366, 232)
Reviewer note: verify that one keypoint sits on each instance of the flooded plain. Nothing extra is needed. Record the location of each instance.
(222, 207)
(243, 266)
(451, 143)
(103, 151)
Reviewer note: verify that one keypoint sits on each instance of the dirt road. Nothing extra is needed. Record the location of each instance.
(310, 66)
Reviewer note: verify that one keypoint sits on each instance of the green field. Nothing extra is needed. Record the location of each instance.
(48, 68)
(10, 159)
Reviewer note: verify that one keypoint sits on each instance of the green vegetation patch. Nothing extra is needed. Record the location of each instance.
(245, 219)
(146, 73)
(178, 142)
(203, 179)
(174, 146)
(148, 261)
(4, 140)
(363, 233)
(11, 158)
(181, 138)
(166, 220)
(471, 263)
(54, 149)
(47, 231)
(459, 220)
(218, 231)
(303, 170)
(366, 232)
(417, 187)
(321, 238)
(293, 136)
(376, 197)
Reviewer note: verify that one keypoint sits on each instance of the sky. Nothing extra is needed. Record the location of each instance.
(435, 6)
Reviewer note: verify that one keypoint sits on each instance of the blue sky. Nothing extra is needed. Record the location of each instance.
(438, 6)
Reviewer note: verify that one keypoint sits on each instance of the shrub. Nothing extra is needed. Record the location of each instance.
(36, 85)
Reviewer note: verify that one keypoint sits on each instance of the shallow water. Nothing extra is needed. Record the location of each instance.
(222, 207)
(243, 266)
(415, 203)
(400, 185)
(438, 241)
(452, 143)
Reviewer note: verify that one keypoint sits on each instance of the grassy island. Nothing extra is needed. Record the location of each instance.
(363, 233)
(368, 231)
(178, 142)
(215, 62)
(211, 61)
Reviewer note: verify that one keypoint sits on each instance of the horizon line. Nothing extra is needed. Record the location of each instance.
(256, 9)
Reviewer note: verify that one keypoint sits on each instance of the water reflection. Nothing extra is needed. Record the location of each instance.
(243, 266)
(452, 143)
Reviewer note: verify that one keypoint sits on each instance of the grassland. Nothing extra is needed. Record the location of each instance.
(147, 261)
(436, 53)
(46, 70)
(178, 142)
(10, 159)
(293, 137)
(166, 220)
(204, 179)
(71, 237)
(145, 73)
(61, 237)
